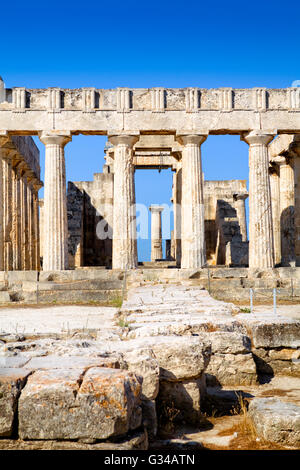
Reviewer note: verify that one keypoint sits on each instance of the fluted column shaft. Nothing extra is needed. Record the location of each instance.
(7, 212)
(124, 254)
(193, 252)
(275, 199)
(55, 254)
(156, 235)
(261, 251)
(287, 210)
(16, 218)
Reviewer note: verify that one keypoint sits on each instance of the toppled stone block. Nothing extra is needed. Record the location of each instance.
(231, 369)
(270, 331)
(143, 363)
(276, 421)
(180, 357)
(12, 381)
(62, 404)
(224, 342)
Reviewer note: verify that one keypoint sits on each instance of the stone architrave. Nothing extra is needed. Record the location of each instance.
(55, 250)
(156, 236)
(193, 251)
(261, 251)
(124, 219)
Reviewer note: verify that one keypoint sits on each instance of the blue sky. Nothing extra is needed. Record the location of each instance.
(160, 43)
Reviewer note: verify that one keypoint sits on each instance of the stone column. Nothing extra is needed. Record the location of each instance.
(24, 226)
(287, 209)
(156, 236)
(124, 220)
(55, 250)
(35, 226)
(16, 217)
(177, 195)
(193, 252)
(241, 214)
(296, 152)
(261, 251)
(275, 200)
(7, 211)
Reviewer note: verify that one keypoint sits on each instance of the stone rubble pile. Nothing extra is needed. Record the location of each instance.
(164, 346)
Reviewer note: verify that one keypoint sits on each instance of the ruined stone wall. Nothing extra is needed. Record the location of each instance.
(90, 211)
(225, 222)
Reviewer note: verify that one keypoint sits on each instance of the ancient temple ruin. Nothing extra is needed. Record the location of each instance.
(155, 127)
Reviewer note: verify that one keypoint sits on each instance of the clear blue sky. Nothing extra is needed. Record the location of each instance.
(159, 43)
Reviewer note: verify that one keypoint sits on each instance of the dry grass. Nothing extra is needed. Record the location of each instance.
(245, 432)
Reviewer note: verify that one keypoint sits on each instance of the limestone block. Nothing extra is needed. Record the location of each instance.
(278, 361)
(179, 357)
(276, 421)
(143, 363)
(149, 417)
(70, 362)
(56, 405)
(269, 331)
(231, 369)
(181, 400)
(12, 381)
(137, 441)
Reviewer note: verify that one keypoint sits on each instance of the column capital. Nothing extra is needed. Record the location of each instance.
(196, 139)
(123, 139)
(240, 196)
(280, 160)
(259, 137)
(60, 138)
(156, 208)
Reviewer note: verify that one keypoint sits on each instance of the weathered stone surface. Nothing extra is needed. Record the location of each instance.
(278, 361)
(56, 405)
(179, 357)
(11, 382)
(276, 421)
(144, 363)
(137, 441)
(71, 362)
(150, 417)
(180, 400)
(269, 331)
(231, 369)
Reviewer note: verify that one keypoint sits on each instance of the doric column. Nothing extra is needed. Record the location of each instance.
(7, 210)
(177, 194)
(124, 219)
(241, 214)
(261, 251)
(297, 200)
(16, 217)
(193, 252)
(156, 236)
(275, 200)
(287, 209)
(24, 226)
(55, 250)
(35, 226)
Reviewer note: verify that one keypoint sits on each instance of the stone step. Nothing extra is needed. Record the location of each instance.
(73, 285)
(69, 295)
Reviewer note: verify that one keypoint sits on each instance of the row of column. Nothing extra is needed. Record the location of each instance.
(19, 218)
(193, 252)
(284, 174)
